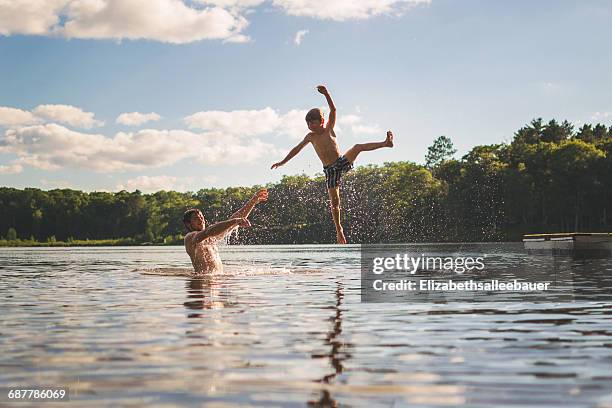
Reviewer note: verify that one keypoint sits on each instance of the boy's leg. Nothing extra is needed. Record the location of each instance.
(334, 197)
(354, 151)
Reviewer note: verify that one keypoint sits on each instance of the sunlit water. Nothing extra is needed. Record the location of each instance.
(285, 327)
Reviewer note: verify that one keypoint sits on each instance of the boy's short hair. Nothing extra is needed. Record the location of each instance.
(314, 114)
(187, 217)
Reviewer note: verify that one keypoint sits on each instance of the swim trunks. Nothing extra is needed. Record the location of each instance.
(334, 171)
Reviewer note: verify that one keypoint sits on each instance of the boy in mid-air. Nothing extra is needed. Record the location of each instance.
(324, 141)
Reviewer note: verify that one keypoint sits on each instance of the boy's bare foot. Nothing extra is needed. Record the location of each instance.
(389, 141)
(340, 237)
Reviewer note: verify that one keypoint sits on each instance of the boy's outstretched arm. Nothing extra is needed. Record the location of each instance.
(261, 195)
(293, 152)
(331, 122)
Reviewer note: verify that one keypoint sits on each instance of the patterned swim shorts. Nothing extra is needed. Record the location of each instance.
(334, 172)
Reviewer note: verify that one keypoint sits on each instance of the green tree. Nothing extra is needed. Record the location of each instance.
(11, 234)
(441, 150)
(573, 168)
(529, 134)
(555, 132)
(415, 208)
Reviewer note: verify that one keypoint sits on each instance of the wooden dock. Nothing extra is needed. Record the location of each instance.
(571, 242)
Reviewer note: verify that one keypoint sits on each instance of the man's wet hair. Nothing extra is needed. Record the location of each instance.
(314, 114)
(187, 217)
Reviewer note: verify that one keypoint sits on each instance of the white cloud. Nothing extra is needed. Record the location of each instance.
(238, 122)
(247, 123)
(53, 146)
(16, 117)
(137, 118)
(29, 16)
(341, 10)
(267, 121)
(68, 114)
(151, 184)
(299, 36)
(13, 168)
(172, 21)
(238, 38)
(233, 4)
(355, 123)
(224, 137)
(293, 124)
(601, 116)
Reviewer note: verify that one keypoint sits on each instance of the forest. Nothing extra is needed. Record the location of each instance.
(550, 178)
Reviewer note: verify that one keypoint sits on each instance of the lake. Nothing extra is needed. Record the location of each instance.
(285, 326)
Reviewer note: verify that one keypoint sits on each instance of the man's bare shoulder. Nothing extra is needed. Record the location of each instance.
(190, 240)
(189, 237)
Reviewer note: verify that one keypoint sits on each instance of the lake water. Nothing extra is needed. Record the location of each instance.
(285, 327)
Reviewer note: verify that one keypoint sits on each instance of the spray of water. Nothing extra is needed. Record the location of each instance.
(230, 270)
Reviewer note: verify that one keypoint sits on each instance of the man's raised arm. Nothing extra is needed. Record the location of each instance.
(245, 211)
(331, 121)
(220, 229)
(293, 152)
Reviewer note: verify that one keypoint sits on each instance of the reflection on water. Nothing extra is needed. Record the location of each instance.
(337, 353)
(284, 326)
(205, 293)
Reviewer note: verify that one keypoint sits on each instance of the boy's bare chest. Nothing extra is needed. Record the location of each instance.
(326, 147)
(323, 140)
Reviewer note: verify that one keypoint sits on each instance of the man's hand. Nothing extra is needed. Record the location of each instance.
(261, 195)
(276, 165)
(322, 89)
(243, 222)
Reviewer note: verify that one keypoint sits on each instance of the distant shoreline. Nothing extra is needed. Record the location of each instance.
(128, 242)
(83, 243)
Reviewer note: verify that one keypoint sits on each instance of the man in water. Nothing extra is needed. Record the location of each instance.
(201, 242)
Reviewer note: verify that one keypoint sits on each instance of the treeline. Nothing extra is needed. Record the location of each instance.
(550, 178)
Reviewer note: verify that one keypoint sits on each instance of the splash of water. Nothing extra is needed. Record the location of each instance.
(231, 270)
(228, 237)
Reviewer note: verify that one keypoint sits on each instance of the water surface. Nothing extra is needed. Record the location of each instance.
(285, 327)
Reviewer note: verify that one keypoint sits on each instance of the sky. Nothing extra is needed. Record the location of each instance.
(105, 95)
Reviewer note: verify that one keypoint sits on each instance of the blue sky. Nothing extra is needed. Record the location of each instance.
(472, 70)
